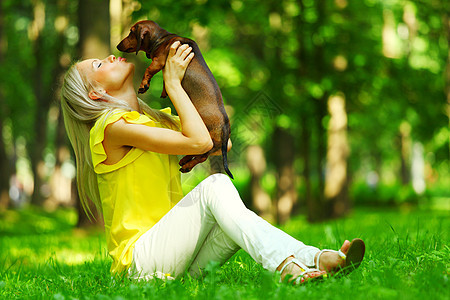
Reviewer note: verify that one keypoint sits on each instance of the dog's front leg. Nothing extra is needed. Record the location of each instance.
(154, 68)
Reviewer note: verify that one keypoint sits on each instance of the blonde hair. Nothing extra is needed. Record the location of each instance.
(80, 113)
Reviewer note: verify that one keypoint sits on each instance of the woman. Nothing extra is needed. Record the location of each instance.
(127, 166)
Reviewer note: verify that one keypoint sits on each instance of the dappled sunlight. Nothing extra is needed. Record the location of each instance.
(71, 257)
(409, 243)
(22, 255)
(383, 141)
(33, 237)
(339, 113)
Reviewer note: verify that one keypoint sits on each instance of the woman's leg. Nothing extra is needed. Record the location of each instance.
(217, 247)
(173, 243)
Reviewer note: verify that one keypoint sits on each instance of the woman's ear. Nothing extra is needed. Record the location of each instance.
(96, 95)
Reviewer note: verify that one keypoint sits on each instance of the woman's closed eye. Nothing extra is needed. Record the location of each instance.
(97, 64)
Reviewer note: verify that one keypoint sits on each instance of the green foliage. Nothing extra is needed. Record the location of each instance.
(276, 62)
(407, 257)
(386, 194)
(254, 46)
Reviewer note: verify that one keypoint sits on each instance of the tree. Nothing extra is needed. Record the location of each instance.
(94, 40)
(4, 161)
(48, 45)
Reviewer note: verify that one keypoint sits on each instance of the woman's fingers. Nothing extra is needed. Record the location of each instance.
(173, 48)
(180, 55)
(189, 58)
(185, 53)
(181, 50)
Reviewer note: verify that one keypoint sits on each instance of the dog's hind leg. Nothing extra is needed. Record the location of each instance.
(193, 162)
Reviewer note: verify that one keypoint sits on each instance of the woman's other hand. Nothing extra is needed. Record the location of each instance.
(178, 59)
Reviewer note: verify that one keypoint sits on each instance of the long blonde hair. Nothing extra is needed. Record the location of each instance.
(80, 114)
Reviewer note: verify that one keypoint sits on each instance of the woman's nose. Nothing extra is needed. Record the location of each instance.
(111, 58)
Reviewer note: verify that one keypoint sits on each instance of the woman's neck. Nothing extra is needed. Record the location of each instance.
(129, 95)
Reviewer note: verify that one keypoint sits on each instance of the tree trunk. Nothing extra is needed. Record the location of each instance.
(94, 29)
(336, 185)
(313, 209)
(284, 160)
(43, 89)
(320, 160)
(61, 185)
(305, 137)
(321, 112)
(447, 75)
(261, 201)
(94, 42)
(404, 151)
(4, 170)
(4, 162)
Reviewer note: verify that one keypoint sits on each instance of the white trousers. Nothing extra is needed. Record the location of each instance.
(210, 224)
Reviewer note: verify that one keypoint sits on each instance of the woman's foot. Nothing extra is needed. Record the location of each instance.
(347, 259)
(331, 261)
(288, 267)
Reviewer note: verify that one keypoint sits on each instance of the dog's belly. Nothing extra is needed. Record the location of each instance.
(207, 99)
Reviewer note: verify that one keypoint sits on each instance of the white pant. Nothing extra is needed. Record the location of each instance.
(210, 224)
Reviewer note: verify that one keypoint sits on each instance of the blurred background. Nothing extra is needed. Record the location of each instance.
(333, 104)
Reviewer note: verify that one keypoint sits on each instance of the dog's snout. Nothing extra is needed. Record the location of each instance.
(125, 46)
(122, 46)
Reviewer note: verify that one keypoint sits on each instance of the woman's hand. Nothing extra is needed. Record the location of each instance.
(194, 134)
(177, 61)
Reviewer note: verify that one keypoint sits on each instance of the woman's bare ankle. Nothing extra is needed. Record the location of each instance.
(285, 262)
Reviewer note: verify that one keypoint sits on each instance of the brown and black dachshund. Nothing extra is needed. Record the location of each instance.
(198, 82)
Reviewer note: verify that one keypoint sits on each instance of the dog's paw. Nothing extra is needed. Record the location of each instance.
(182, 170)
(143, 89)
(185, 160)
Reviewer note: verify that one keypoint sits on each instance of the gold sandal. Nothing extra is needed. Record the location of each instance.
(304, 275)
(353, 258)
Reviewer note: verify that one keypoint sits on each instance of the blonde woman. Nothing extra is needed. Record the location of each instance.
(127, 166)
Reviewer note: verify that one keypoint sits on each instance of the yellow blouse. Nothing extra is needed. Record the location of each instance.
(135, 192)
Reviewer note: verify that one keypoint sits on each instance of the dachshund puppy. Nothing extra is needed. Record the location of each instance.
(198, 82)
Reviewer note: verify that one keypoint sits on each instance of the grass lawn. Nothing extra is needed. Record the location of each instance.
(407, 257)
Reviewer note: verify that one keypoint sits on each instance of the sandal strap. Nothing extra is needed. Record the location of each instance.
(302, 266)
(339, 252)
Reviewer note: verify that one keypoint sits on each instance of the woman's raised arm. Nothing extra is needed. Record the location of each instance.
(194, 137)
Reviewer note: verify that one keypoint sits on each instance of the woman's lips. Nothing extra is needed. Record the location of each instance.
(122, 59)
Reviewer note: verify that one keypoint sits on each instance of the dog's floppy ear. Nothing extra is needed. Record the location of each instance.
(140, 34)
(137, 34)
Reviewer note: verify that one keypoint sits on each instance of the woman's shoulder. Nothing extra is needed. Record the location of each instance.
(113, 116)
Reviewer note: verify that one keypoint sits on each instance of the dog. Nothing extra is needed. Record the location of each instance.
(198, 82)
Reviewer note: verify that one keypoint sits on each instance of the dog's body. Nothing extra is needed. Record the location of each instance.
(198, 82)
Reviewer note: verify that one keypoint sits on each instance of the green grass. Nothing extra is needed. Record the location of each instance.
(408, 254)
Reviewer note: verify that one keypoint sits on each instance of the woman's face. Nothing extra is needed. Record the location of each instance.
(110, 74)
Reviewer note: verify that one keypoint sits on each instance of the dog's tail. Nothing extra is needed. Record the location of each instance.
(225, 136)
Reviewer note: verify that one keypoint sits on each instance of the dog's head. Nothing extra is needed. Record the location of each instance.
(140, 37)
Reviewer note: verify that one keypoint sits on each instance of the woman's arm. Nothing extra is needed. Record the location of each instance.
(191, 123)
(194, 137)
